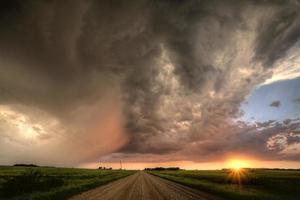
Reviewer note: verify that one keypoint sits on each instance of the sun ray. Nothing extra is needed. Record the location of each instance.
(238, 171)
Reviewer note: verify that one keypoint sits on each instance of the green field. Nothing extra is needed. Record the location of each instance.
(52, 183)
(254, 184)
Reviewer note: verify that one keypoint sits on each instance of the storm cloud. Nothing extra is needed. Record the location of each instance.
(86, 79)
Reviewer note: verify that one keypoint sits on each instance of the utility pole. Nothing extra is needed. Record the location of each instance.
(120, 164)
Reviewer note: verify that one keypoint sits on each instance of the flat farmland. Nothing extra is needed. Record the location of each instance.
(254, 184)
(36, 183)
(18, 183)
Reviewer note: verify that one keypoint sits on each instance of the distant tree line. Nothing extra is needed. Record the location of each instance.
(162, 168)
(26, 165)
(105, 168)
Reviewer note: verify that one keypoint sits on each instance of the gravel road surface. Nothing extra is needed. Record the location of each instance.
(143, 186)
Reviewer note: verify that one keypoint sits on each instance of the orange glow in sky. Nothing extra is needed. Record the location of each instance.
(236, 163)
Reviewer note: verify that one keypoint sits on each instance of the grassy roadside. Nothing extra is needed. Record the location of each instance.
(37, 183)
(255, 184)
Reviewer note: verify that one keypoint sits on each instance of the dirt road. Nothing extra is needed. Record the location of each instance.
(143, 186)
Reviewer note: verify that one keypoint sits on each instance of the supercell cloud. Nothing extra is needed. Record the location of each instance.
(143, 80)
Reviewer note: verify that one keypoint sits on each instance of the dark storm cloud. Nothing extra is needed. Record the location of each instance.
(140, 77)
(280, 33)
(269, 141)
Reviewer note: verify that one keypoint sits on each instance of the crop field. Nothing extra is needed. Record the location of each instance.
(52, 183)
(254, 184)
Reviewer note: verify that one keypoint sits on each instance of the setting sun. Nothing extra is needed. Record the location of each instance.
(238, 164)
(238, 173)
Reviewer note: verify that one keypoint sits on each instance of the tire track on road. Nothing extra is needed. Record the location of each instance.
(143, 186)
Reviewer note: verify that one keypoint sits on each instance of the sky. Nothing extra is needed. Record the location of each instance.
(187, 83)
